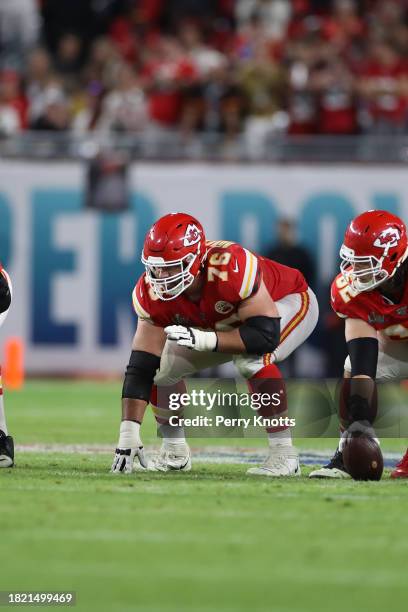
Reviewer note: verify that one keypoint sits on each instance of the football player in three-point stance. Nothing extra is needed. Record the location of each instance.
(202, 303)
(371, 294)
(6, 441)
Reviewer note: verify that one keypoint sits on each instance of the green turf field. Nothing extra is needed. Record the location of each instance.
(213, 539)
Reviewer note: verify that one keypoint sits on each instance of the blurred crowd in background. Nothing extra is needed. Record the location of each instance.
(204, 66)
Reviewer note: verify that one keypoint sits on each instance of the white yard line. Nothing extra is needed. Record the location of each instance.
(203, 454)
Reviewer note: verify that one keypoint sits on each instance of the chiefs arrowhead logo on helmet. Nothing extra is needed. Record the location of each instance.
(388, 238)
(192, 235)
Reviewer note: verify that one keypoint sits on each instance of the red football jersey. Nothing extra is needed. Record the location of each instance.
(231, 274)
(372, 307)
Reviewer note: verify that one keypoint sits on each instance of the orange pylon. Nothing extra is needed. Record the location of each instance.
(13, 365)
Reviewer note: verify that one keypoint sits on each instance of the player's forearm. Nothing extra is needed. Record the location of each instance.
(255, 336)
(133, 409)
(230, 342)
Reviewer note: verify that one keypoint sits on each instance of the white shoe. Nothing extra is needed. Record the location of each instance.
(282, 460)
(325, 472)
(334, 469)
(171, 456)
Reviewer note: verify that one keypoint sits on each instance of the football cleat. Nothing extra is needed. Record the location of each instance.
(334, 469)
(6, 450)
(171, 457)
(401, 469)
(281, 461)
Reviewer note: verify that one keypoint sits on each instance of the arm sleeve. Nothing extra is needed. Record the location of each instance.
(140, 301)
(251, 279)
(344, 301)
(363, 354)
(336, 304)
(244, 275)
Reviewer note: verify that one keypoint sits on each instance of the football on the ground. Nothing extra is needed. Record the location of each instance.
(363, 458)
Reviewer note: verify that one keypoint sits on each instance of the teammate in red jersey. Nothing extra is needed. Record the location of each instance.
(201, 304)
(6, 441)
(371, 294)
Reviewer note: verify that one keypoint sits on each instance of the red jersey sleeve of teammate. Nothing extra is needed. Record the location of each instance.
(345, 301)
(235, 270)
(141, 300)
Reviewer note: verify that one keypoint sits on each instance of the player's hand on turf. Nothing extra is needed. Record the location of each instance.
(124, 459)
(192, 338)
(130, 448)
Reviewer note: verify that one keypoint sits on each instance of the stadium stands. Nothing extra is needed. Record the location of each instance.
(234, 72)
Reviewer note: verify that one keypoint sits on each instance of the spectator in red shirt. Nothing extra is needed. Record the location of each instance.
(382, 89)
(166, 74)
(302, 104)
(334, 85)
(344, 26)
(13, 103)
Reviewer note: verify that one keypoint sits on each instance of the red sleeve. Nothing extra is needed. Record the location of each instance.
(141, 301)
(235, 269)
(343, 299)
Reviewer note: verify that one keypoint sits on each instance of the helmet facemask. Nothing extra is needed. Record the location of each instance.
(169, 286)
(362, 272)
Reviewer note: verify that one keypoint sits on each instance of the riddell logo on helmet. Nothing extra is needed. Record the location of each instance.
(192, 235)
(388, 238)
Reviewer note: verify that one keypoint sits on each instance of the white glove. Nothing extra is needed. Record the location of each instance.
(129, 447)
(192, 338)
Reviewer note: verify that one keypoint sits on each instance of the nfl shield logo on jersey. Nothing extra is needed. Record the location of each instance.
(223, 307)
